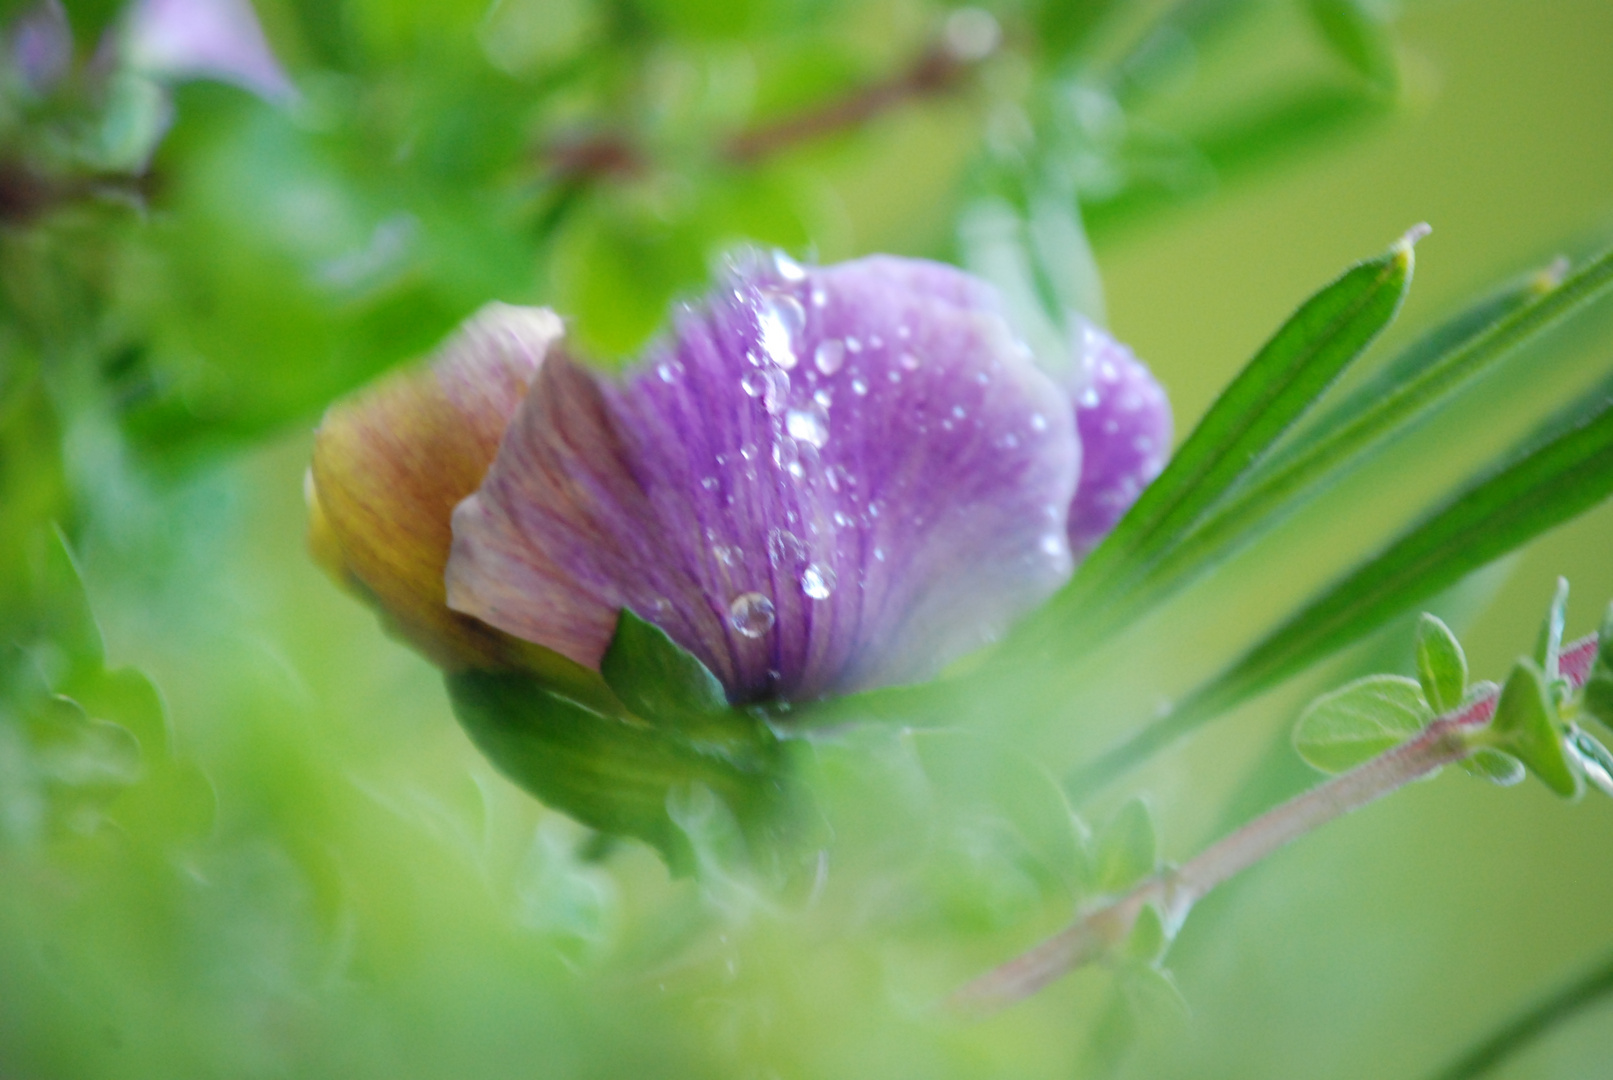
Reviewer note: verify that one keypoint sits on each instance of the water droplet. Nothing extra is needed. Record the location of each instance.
(709, 483)
(908, 361)
(832, 477)
(669, 371)
(875, 341)
(780, 318)
(660, 608)
(829, 356)
(753, 383)
(820, 298)
(823, 397)
(1089, 398)
(1038, 422)
(784, 548)
(751, 614)
(787, 454)
(859, 386)
(748, 452)
(1142, 444)
(1010, 441)
(842, 520)
(1052, 544)
(853, 345)
(903, 332)
(818, 581)
(788, 268)
(879, 554)
(727, 554)
(775, 390)
(810, 425)
(959, 412)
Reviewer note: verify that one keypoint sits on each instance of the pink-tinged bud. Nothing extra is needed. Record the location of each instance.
(390, 464)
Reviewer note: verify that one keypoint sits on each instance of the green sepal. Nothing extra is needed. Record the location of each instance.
(616, 775)
(1598, 696)
(1359, 721)
(1549, 645)
(655, 677)
(1126, 850)
(1525, 725)
(1441, 664)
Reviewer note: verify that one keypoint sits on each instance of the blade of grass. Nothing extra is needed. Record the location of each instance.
(1563, 471)
(1278, 386)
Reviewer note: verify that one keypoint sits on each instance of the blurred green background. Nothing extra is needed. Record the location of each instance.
(300, 867)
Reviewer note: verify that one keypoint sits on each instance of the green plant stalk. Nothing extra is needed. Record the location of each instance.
(1174, 891)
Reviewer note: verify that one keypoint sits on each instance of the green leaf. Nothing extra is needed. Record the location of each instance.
(1495, 766)
(1525, 725)
(1359, 34)
(1598, 697)
(1549, 645)
(1566, 473)
(1277, 387)
(1595, 760)
(1148, 939)
(1441, 664)
(1126, 849)
(613, 775)
(658, 679)
(1359, 721)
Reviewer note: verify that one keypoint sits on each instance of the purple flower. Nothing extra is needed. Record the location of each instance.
(42, 45)
(206, 39)
(821, 480)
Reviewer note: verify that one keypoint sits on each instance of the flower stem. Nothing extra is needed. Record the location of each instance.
(1175, 891)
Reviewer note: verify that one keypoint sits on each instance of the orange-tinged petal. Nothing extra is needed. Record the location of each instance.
(390, 464)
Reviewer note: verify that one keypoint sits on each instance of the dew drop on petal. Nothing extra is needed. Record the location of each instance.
(817, 581)
(853, 345)
(779, 318)
(879, 554)
(751, 614)
(908, 361)
(787, 453)
(775, 389)
(823, 397)
(829, 356)
(1089, 398)
(727, 554)
(810, 425)
(859, 386)
(1052, 544)
(787, 268)
(1038, 422)
(709, 483)
(668, 372)
(820, 298)
(784, 548)
(959, 412)
(753, 383)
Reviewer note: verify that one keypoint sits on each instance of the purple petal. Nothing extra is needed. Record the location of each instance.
(1125, 423)
(206, 39)
(42, 45)
(827, 479)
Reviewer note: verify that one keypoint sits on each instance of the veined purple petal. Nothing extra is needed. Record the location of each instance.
(825, 479)
(206, 39)
(1124, 421)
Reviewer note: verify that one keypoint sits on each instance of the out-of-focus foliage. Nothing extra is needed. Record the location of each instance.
(289, 861)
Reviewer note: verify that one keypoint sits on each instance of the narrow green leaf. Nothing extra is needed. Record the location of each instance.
(1359, 34)
(609, 774)
(1525, 726)
(658, 679)
(1441, 664)
(1595, 760)
(1549, 645)
(1283, 380)
(1598, 698)
(1495, 766)
(1359, 721)
(1126, 849)
(1281, 484)
(1563, 475)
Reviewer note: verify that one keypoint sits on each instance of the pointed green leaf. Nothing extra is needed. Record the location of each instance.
(1549, 645)
(1525, 725)
(1441, 664)
(1126, 849)
(1598, 697)
(1550, 481)
(1148, 940)
(1359, 34)
(1279, 385)
(658, 679)
(1495, 766)
(1594, 759)
(1359, 721)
